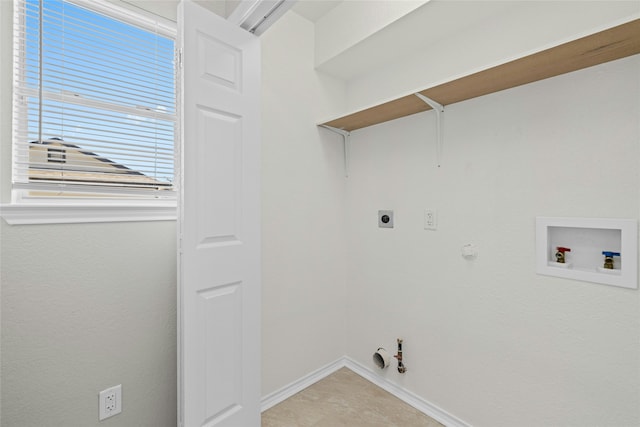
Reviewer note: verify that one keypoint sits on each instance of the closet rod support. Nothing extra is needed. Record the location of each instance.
(439, 109)
(345, 141)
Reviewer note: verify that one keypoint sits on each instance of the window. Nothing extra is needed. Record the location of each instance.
(94, 105)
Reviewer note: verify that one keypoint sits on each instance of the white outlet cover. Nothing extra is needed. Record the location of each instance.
(430, 219)
(110, 402)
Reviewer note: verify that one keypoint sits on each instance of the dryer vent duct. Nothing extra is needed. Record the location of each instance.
(381, 358)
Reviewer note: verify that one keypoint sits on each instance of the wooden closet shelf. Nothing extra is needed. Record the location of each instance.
(608, 45)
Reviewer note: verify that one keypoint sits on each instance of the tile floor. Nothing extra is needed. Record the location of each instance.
(345, 399)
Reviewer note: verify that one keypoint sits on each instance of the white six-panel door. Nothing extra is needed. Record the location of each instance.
(219, 226)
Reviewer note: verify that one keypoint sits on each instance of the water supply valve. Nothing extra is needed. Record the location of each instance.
(401, 368)
(560, 254)
(608, 259)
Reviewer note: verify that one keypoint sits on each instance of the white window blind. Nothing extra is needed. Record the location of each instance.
(95, 102)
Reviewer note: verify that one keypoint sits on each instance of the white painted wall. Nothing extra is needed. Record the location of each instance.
(352, 22)
(104, 314)
(304, 266)
(443, 41)
(488, 340)
(5, 149)
(84, 307)
(493, 345)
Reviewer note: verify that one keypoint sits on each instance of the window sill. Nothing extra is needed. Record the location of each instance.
(22, 214)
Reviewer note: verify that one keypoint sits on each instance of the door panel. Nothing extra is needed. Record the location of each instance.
(219, 61)
(219, 160)
(219, 290)
(220, 311)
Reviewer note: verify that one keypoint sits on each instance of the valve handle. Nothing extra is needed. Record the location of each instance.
(610, 254)
(563, 249)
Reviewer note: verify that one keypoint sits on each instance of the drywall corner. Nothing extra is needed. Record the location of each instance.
(352, 22)
(303, 286)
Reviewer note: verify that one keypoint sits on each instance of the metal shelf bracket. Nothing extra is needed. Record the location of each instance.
(345, 141)
(439, 109)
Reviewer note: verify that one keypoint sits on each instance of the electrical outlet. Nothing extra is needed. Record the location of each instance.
(430, 219)
(110, 402)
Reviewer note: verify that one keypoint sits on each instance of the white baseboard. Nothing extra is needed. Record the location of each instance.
(289, 390)
(406, 396)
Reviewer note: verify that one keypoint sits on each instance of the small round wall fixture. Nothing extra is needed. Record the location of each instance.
(381, 358)
(470, 251)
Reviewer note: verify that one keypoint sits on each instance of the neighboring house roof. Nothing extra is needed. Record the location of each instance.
(56, 160)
